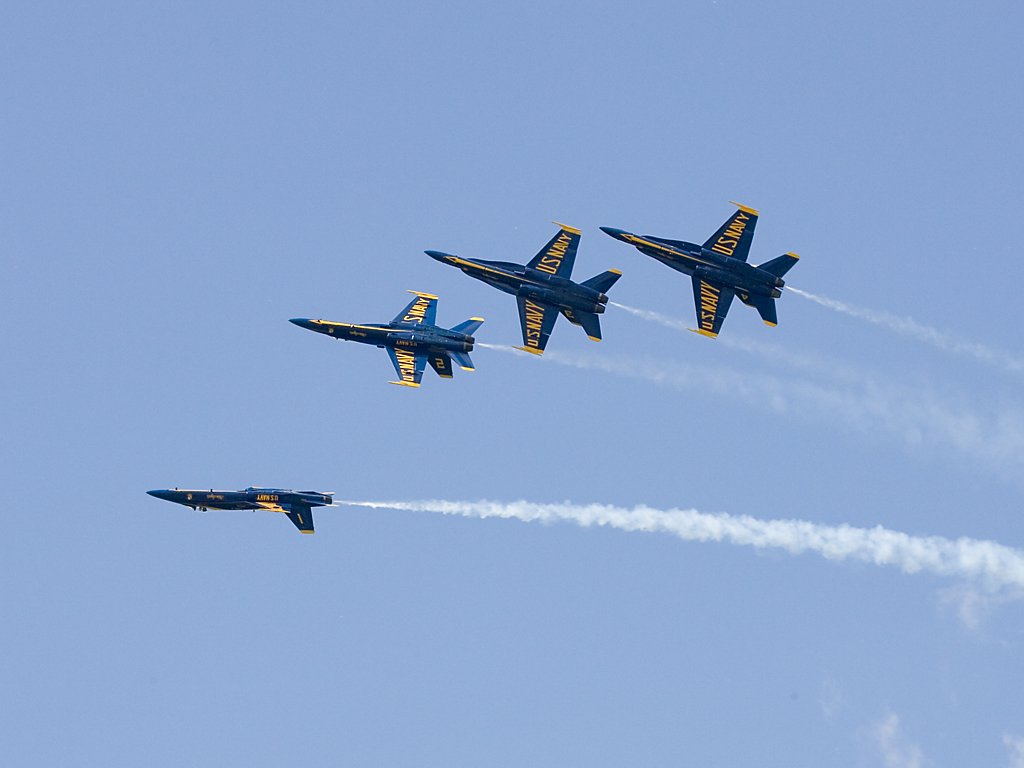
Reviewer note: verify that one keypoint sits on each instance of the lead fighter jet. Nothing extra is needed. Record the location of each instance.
(411, 339)
(719, 269)
(543, 289)
(297, 505)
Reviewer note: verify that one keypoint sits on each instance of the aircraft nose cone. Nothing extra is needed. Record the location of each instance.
(616, 233)
(439, 255)
(301, 322)
(165, 495)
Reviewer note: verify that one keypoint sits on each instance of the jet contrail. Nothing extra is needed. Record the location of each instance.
(989, 564)
(912, 415)
(762, 349)
(924, 333)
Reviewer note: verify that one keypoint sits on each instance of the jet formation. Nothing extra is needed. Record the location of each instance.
(543, 289)
(297, 505)
(411, 339)
(719, 270)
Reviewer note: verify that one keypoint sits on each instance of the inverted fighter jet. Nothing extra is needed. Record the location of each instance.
(411, 339)
(297, 505)
(719, 269)
(543, 289)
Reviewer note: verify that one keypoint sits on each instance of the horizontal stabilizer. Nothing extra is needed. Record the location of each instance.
(780, 265)
(589, 321)
(463, 360)
(469, 326)
(604, 281)
(441, 363)
(765, 306)
(302, 516)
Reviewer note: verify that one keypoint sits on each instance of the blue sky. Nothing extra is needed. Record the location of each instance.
(181, 179)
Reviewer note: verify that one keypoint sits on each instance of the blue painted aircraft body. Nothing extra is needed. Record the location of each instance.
(719, 269)
(411, 339)
(543, 289)
(297, 505)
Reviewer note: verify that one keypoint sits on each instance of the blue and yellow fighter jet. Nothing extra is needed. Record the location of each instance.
(298, 505)
(719, 269)
(411, 339)
(543, 289)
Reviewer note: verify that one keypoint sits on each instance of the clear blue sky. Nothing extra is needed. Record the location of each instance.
(179, 179)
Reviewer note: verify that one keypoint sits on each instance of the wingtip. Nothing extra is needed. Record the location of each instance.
(567, 228)
(531, 350)
(424, 295)
(770, 323)
(404, 383)
(793, 256)
(594, 338)
(745, 208)
(702, 332)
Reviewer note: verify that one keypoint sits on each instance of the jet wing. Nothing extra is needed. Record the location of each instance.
(734, 237)
(558, 256)
(421, 311)
(441, 363)
(408, 365)
(712, 303)
(302, 516)
(537, 321)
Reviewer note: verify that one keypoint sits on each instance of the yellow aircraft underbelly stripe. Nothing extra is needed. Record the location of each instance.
(365, 327)
(473, 265)
(678, 254)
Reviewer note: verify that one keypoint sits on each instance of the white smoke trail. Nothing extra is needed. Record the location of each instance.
(912, 329)
(762, 349)
(655, 317)
(987, 563)
(914, 416)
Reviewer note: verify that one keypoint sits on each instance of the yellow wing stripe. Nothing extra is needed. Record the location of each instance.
(567, 228)
(745, 209)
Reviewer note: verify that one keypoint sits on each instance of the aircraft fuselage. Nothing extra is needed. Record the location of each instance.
(535, 284)
(421, 338)
(251, 498)
(707, 264)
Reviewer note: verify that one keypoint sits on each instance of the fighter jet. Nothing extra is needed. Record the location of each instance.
(297, 505)
(719, 269)
(543, 289)
(411, 339)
